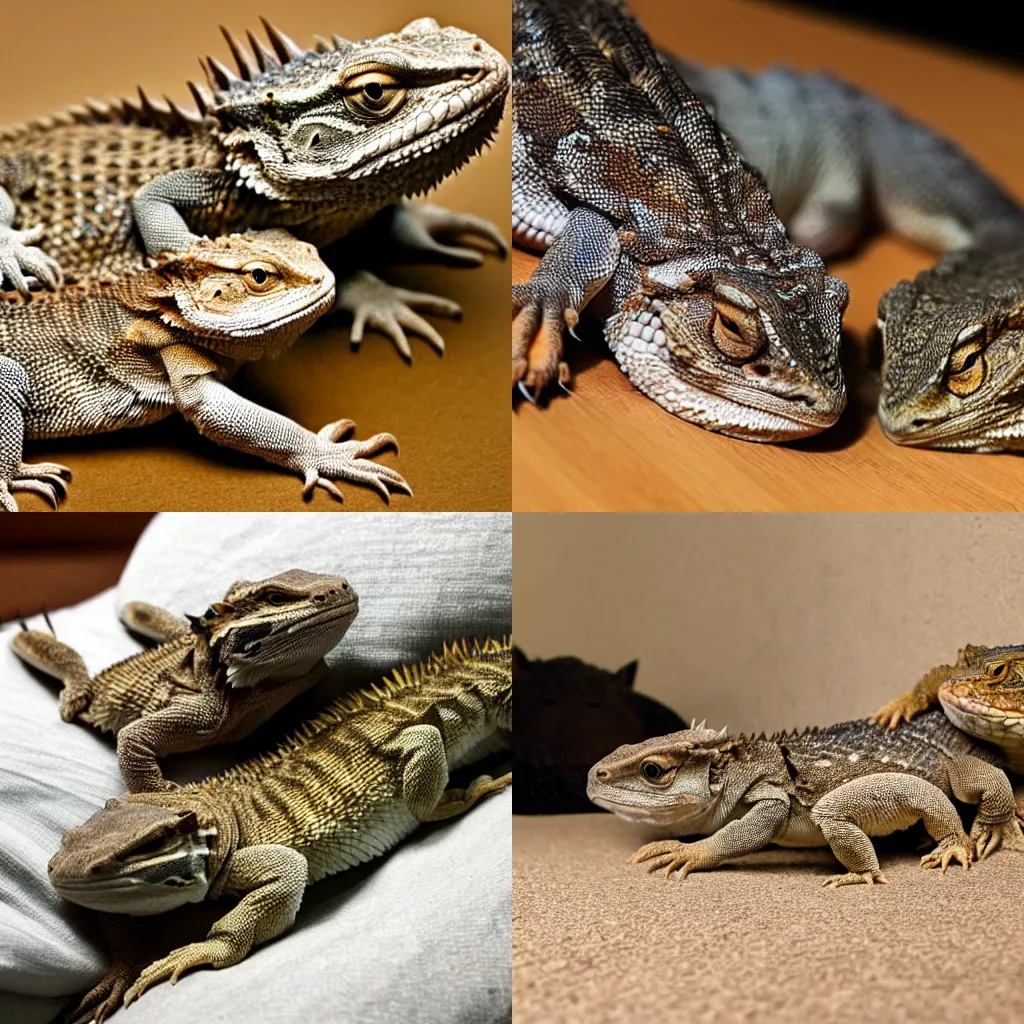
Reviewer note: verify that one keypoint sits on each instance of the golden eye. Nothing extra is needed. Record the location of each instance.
(968, 367)
(374, 93)
(652, 771)
(996, 671)
(260, 277)
(736, 333)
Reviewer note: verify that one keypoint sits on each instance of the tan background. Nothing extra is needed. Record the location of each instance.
(609, 447)
(447, 413)
(768, 622)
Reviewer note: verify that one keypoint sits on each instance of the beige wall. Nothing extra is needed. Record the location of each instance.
(768, 621)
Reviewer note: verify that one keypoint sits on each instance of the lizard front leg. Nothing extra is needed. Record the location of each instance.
(272, 879)
(882, 803)
(423, 229)
(157, 206)
(49, 655)
(974, 781)
(187, 723)
(578, 265)
(18, 255)
(754, 831)
(228, 419)
(47, 479)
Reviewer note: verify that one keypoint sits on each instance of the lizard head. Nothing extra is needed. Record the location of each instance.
(953, 354)
(401, 111)
(287, 622)
(984, 697)
(734, 350)
(672, 781)
(134, 858)
(249, 296)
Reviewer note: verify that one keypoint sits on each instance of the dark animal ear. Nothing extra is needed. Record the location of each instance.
(520, 662)
(625, 676)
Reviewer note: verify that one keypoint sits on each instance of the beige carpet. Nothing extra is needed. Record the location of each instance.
(597, 939)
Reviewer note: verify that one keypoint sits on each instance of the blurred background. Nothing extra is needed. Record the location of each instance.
(983, 31)
(59, 560)
(768, 621)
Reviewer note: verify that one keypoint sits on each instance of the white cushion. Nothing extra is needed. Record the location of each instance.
(422, 935)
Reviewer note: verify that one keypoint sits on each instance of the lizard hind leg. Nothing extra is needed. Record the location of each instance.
(56, 659)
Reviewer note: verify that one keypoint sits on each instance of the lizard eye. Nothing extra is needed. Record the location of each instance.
(374, 94)
(736, 333)
(260, 277)
(968, 366)
(278, 598)
(996, 671)
(652, 771)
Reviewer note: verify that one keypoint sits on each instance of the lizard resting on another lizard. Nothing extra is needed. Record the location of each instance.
(981, 694)
(319, 141)
(95, 357)
(644, 207)
(347, 787)
(213, 679)
(838, 160)
(834, 787)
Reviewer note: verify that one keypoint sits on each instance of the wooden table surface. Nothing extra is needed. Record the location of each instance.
(610, 448)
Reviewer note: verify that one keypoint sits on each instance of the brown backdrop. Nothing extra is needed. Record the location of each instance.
(768, 622)
(447, 413)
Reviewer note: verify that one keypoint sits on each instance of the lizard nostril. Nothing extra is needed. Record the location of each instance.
(601, 773)
(320, 597)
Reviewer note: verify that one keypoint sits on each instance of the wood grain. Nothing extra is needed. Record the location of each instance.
(610, 448)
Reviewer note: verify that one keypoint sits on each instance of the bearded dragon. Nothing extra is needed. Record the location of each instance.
(96, 357)
(647, 215)
(830, 787)
(348, 786)
(982, 694)
(839, 161)
(213, 679)
(319, 141)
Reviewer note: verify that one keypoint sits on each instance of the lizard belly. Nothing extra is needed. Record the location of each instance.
(358, 840)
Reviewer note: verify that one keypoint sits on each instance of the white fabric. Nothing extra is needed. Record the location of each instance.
(422, 935)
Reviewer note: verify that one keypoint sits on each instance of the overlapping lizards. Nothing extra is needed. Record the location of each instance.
(350, 784)
(647, 214)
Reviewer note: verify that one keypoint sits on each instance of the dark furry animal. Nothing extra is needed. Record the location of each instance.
(568, 715)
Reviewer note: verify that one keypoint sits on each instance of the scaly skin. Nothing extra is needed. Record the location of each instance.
(348, 786)
(840, 161)
(319, 141)
(213, 679)
(167, 339)
(982, 694)
(641, 204)
(834, 787)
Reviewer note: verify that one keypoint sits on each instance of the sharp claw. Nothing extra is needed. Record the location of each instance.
(525, 392)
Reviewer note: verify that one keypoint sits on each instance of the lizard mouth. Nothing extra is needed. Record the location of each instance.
(313, 309)
(986, 719)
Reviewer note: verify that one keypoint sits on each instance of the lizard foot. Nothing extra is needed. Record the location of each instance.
(1005, 835)
(673, 855)
(902, 709)
(104, 998)
(537, 325)
(47, 479)
(953, 847)
(219, 951)
(856, 878)
(374, 303)
(327, 459)
(424, 228)
(18, 257)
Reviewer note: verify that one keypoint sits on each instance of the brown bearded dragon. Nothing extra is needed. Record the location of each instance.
(647, 216)
(319, 140)
(213, 679)
(95, 357)
(838, 161)
(347, 787)
(831, 787)
(982, 694)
